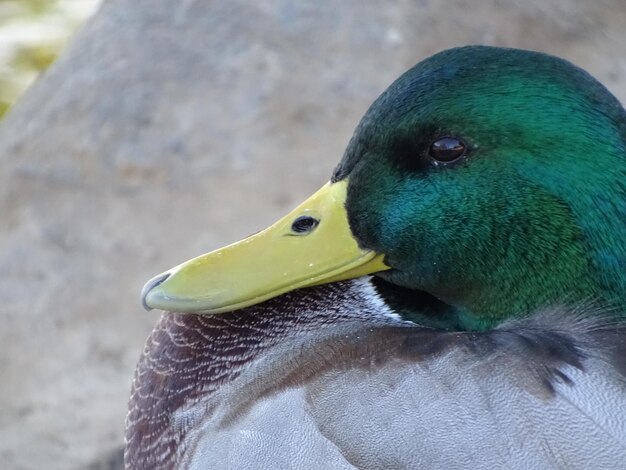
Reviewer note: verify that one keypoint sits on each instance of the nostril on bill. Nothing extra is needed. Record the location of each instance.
(304, 224)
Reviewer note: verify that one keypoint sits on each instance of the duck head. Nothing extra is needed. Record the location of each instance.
(491, 179)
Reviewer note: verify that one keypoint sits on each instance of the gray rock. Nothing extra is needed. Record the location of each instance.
(169, 128)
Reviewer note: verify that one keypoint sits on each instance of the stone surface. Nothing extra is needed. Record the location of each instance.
(169, 128)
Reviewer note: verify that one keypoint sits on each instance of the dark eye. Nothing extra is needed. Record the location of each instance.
(446, 149)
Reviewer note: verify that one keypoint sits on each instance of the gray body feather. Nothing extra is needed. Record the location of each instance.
(330, 378)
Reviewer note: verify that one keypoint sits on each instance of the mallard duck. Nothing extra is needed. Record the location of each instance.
(454, 297)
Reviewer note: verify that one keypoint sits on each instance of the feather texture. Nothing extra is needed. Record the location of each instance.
(329, 378)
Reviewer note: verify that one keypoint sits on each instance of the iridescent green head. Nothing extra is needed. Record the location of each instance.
(495, 180)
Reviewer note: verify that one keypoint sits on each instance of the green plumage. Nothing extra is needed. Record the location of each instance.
(534, 215)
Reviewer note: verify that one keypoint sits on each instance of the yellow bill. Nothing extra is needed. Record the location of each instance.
(311, 245)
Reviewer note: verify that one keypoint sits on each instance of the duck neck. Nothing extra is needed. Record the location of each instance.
(570, 250)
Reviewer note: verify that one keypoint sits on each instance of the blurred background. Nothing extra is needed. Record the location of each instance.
(32, 32)
(165, 129)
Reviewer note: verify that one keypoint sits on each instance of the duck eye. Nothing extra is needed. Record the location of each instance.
(446, 149)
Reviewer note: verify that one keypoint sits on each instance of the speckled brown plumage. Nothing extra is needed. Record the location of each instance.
(187, 357)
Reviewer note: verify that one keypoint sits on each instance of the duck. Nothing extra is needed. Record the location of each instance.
(454, 297)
